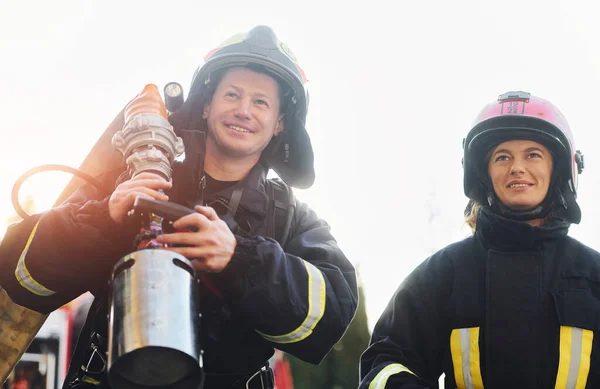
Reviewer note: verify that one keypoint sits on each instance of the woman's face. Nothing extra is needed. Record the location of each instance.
(520, 171)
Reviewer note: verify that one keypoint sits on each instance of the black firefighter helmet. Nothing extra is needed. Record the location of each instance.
(290, 154)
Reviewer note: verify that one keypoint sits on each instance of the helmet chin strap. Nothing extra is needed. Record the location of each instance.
(539, 212)
(553, 197)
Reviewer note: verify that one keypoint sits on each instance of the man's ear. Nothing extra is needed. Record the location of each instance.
(205, 111)
(280, 125)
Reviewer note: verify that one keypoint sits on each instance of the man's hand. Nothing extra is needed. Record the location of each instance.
(211, 247)
(143, 185)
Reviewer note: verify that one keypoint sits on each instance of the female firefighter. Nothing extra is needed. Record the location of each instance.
(516, 305)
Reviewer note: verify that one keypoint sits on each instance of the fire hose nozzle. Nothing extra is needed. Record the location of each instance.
(147, 140)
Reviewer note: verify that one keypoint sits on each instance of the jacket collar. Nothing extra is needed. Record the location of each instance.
(253, 203)
(501, 233)
(254, 195)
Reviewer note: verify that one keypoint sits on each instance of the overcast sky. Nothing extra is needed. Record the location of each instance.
(393, 90)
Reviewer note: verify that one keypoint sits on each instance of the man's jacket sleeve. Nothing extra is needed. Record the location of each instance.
(48, 259)
(408, 341)
(302, 300)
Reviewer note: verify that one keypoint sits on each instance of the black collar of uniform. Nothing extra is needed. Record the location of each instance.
(501, 233)
(253, 196)
(253, 203)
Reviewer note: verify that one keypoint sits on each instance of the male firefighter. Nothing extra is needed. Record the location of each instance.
(265, 284)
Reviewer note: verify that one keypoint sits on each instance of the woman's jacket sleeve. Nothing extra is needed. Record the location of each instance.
(409, 339)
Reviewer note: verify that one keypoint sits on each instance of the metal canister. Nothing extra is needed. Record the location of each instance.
(154, 338)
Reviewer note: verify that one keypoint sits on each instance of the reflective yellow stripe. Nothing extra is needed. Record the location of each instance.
(23, 275)
(457, 359)
(574, 361)
(464, 347)
(316, 309)
(565, 357)
(90, 380)
(381, 378)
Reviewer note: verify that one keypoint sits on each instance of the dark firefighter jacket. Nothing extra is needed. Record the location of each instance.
(299, 300)
(511, 307)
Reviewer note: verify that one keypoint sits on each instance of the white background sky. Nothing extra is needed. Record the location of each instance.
(393, 92)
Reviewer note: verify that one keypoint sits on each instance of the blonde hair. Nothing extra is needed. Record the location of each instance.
(471, 214)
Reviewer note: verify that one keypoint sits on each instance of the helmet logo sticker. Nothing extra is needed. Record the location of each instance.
(286, 50)
(512, 107)
(230, 41)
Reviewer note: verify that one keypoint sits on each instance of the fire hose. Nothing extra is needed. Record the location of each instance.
(153, 338)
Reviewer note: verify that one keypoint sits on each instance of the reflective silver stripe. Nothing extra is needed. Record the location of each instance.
(23, 275)
(381, 378)
(575, 358)
(465, 345)
(316, 309)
